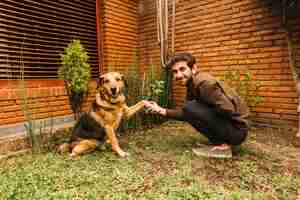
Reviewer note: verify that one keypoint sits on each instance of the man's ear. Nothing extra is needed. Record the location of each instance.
(194, 69)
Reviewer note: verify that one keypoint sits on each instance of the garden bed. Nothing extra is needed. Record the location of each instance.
(161, 166)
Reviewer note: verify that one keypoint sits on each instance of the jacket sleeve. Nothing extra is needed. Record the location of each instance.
(175, 114)
(212, 93)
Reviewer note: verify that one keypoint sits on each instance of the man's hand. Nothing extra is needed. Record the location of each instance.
(153, 107)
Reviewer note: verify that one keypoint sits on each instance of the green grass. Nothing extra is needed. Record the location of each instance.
(161, 166)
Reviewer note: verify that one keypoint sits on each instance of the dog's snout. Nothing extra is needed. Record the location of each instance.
(113, 90)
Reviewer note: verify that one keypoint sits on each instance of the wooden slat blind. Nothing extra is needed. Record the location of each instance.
(34, 32)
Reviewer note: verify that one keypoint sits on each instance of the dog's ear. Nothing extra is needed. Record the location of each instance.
(124, 80)
(122, 77)
(100, 81)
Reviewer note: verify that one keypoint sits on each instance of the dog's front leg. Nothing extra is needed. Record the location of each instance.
(114, 141)
(129, 111)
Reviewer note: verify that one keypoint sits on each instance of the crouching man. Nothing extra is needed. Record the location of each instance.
(211, 107)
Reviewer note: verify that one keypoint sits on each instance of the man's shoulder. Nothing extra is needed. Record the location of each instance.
(201, 77)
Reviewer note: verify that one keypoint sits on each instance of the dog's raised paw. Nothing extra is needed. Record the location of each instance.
(123, 154)
(63, 148)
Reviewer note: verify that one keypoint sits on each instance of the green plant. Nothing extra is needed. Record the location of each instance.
(36, 130)
(75, 71)
(155, 90)
(154, 86)
(148, 85)
(29, 124)
(245, 85)
(133, 91)
(165, 97)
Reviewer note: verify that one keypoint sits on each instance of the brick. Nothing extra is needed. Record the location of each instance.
(268, 115)
(281, 105)
(248, 61)
(284, 123)
(271, 60)
(278, 89)
(278, 94)
(231, 42)
(11, 108)
(274, 36)
(273, 77)
(289, 117)
(285, 111)
(264, 110)
(7, 102)
(279, 100)
(262, 120)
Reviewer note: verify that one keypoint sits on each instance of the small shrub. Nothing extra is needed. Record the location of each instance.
(245, 85)
(75, 71)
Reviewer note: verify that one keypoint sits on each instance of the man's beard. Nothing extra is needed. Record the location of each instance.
(183, 81)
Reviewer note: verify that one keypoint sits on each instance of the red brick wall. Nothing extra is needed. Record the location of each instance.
(148, 42)
(46, 98)
(241, 34)
(120, 28)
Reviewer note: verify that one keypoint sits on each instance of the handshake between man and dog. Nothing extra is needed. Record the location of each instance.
(103, 118)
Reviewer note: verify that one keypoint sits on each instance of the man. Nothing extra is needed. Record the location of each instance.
(212, 108)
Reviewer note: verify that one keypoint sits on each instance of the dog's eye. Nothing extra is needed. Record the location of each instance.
(106, 81)
(118, 79)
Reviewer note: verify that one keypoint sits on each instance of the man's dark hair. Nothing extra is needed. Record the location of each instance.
(188, 57)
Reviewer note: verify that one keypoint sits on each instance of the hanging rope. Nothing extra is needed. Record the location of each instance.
(162, 38)
(173, 28)
(166, 30)
(162, 29)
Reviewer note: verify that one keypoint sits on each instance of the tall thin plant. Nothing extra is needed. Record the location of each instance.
(29, 124)
(134, 88)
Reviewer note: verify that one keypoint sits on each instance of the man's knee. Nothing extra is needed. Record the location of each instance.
(195, 110)
(189, 108)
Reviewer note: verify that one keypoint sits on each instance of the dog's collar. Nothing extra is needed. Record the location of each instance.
(119, 99)
(101, 102)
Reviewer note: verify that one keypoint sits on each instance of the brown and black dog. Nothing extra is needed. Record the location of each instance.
(103, 118)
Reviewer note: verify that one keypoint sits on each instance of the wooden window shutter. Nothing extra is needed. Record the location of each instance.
(34, 32)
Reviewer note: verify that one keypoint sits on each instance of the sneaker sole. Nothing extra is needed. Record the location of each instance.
(211, 155)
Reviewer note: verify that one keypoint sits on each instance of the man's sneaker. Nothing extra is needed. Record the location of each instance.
(202, 145)
(211, 152)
